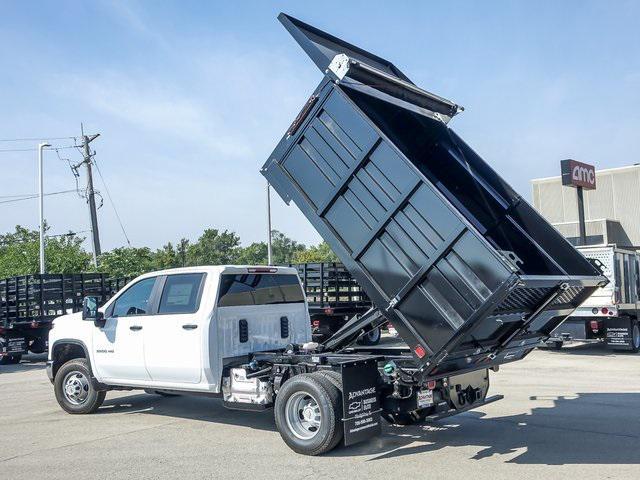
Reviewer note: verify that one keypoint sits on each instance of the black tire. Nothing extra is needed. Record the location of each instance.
(38, 346)
(76, 375)
(635, 337)
(328, 400)
(334, 377)
(557, 345)
(10, 359)
(371, 338)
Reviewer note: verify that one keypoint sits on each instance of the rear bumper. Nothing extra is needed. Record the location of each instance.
(49, 369)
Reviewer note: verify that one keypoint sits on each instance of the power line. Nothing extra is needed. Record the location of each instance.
(35, 149)
(35, 139)
(112, 204)
(35, 195)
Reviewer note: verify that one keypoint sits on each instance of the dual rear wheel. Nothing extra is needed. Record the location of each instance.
(308, 412)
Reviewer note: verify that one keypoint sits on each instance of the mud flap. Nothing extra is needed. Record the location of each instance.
(360, 400)
(618, 333)
(468, 389)
(10, 345)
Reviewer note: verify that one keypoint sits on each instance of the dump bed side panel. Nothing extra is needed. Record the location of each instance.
(414, 254)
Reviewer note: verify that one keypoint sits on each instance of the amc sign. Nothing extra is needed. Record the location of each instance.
(578, 174)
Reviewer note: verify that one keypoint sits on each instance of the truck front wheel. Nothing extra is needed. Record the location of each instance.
(308, 414)
(74, 390)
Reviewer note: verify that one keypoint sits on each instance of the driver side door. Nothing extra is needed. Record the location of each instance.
(118, 346)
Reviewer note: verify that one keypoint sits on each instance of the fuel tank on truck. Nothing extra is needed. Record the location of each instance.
(465, 269)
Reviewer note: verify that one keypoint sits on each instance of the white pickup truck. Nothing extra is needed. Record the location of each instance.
(243, 333)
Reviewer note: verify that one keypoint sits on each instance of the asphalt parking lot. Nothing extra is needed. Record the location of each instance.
(568, 414)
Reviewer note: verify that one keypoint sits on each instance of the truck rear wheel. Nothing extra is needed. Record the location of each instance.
(308, 414)
(74, 390)
(635, 337)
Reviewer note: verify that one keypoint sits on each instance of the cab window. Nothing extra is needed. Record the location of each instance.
(259, 289)
(135, 300)
(181, 293)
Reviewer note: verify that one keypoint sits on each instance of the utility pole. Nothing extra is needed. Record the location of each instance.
(95, 233)
(269, 253)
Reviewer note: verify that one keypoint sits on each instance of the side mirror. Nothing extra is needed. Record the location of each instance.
(90, 311)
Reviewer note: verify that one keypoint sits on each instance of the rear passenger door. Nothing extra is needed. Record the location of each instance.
(173, 336)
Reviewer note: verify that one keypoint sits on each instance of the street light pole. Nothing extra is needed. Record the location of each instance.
(269, 253)
(41, 191)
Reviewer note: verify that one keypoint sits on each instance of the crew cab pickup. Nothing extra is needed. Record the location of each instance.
(174, 330)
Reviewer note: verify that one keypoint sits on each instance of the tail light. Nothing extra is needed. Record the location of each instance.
(604, 310)
(262, 270)
(316, 323)
(431, 384)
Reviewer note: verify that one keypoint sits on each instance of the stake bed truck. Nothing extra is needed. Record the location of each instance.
(610, 315)
(467, 272)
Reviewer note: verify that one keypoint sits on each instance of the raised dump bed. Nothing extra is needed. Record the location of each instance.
(465, 269)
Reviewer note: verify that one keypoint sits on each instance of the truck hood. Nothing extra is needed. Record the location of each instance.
(65, 319)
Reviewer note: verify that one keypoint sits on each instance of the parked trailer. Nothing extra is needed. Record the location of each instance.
(468, 273)
(610, 315)
(334, 297)
(29, 303)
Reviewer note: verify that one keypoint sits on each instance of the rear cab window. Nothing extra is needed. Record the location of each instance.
(181, 293)
(248, 289)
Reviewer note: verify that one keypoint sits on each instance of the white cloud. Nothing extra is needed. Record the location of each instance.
(153, 107)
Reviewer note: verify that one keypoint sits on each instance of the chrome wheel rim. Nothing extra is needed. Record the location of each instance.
(303, 416)
(75, 387)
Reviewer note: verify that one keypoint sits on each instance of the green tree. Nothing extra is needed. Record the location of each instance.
(20, 253)
(316, 253)
(254, 254)
(127, 262)
(284, 249)
(214, 248)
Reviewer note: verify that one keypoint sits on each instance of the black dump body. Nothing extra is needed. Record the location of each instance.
(331, 289)
(465, 269)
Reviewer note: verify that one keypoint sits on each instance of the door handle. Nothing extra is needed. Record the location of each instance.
(189, 326)
(135, 328)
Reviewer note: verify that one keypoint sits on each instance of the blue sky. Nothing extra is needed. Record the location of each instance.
(191, 97)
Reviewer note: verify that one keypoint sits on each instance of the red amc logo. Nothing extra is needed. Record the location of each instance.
(578, 174)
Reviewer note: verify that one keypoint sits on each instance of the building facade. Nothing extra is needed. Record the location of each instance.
(612, 210)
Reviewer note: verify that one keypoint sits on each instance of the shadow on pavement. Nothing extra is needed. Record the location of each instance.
(29, 362)
(588, 428)
(200, 408)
